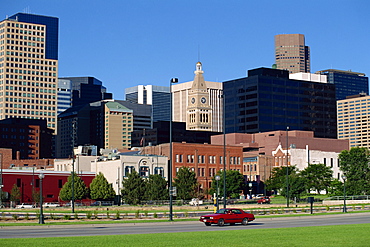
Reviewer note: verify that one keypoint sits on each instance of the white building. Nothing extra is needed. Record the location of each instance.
(302, 157)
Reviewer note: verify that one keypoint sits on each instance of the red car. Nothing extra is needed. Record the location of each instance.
(264, 199)
(227, 215)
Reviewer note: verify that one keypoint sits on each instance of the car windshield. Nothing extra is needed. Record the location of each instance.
(222, 211)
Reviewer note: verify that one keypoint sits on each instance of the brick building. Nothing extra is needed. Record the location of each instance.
(204, 159)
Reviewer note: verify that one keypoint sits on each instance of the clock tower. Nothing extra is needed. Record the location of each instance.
(199, 111)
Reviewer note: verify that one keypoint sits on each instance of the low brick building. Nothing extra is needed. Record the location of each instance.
(204, 159)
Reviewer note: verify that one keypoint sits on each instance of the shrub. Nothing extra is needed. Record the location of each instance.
(67, 217)
(15, 216)
(146, 213)
(155, 215)
(95, 214)
(117, 215)
(88, 215)
(137, 214)
(76, 216)
(186, 214)
(108, 216)
(27, 217)
(327, 208)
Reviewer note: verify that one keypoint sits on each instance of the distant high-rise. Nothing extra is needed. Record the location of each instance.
(87, 89)
(64, 95)
(156, 96)
(29, 67)
(347, 83)
(354, 120)
(291, 53)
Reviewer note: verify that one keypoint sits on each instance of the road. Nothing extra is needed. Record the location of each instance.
(170, 227)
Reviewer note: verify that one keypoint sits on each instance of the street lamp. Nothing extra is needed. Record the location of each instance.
(250, 190)
(344, 177)
(224, 135)
(287, 172)
(41, 219)
(173, 80)
(217, 191)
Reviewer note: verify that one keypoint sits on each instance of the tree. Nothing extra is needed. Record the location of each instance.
(296, 186)
(317, 177)
(277, 180)
(80, 189)
(100, 189)
(355, 164)
(186, 184)
(156, 188)
(234, 183)
(133, 191)
(336, 188)
(15, 194)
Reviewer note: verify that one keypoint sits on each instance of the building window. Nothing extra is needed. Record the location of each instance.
(144, 171)
(159, 171)
(128, 170)
(60, 183)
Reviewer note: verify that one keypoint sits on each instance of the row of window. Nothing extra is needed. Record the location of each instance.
(202, 159)
(24, 60)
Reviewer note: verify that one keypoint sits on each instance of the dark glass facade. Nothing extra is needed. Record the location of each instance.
(86, 90)
(51, 49)
(347, 83)
(268, 100)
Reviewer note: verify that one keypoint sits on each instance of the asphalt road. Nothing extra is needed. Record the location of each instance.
(182, 226)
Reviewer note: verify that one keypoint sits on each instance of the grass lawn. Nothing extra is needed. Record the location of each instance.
(342, 235)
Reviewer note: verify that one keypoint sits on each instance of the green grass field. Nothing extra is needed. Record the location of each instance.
(342, 235)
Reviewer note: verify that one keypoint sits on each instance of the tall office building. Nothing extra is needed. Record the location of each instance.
(29, 67)
(268, 100)
(354, 120)
(347, 83)
(105, 124)
(182, 100)
(291, 53)
(87, 89)
(156, 96)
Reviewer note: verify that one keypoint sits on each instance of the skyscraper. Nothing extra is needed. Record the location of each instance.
(29, 67)
(347, 83)
(291, 53)
(156, 96)
(268, 100)
(354, 120)
(87, 89)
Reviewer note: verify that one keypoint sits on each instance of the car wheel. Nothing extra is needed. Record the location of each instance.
(245, 221)
(221, 222)
(207, 223)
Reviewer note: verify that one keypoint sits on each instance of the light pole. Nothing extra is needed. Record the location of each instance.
(217, 191)
(173, 80)
(73, 165)
(1, 180)
(41, 219)
(344, 177)
(250, 190)
(224, 135)
(287, 172)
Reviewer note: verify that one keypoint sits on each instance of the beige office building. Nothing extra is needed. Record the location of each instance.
(118, 126)
(353, 116)
(291, 53)
(28, 79)
(183, 96)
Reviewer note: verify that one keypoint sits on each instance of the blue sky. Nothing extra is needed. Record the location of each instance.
(126, 43)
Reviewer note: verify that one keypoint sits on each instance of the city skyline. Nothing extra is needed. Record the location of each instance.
(133, 43)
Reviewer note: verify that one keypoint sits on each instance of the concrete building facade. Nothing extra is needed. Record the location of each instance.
(354, 120)
(29, 67)
(182, 100)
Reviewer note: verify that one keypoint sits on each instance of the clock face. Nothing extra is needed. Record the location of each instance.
(192, 100)
(203, 100)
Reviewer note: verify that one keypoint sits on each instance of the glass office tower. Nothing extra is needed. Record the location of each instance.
(268, 100)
